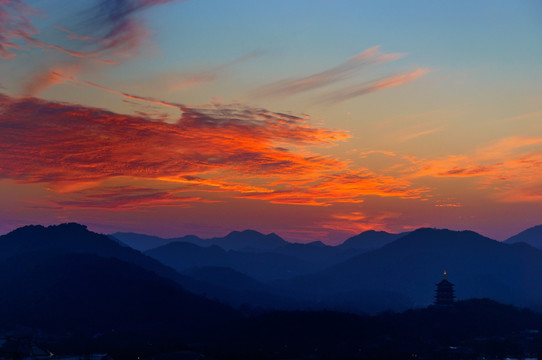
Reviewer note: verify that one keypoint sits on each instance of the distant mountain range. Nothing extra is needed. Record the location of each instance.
(403, 273)
(371, 272)
(236, 240)
(370, 240)
(531, 236)
(67, 279)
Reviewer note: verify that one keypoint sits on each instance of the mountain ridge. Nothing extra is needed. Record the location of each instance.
(531, 236)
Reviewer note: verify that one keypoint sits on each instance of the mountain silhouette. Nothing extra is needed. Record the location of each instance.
(225, 276)
(318, 253)
(75, 238)
(409, 268)
(139, 242)
(263, 266)
(247, 240)
(30, 245)
(370, 240)
(399, 275)
(67, 278)
(531, 236)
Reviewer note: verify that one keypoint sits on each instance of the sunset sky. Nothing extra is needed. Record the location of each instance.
(315, 120)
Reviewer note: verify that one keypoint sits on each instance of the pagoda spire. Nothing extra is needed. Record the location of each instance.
(444, 294)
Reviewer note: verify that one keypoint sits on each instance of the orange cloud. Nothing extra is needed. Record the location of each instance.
(86, 143)
(421, 133)
(372, 86)
(347, 186)
(60, 74)
(252, 152)
(356, 222)
(354, 216)
(512, 167)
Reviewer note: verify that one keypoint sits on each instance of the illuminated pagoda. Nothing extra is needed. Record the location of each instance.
(444, 295)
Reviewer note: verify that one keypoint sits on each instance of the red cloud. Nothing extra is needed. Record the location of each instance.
(253, 152)
(46, 142)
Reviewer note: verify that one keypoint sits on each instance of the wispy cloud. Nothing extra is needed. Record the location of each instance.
(528, 116)
(175, 81)
(59, 73)
(417, 134)
(356, 222)
(14, 24)
(510, 167)
(126, 198)
(113, 31)
(327, 77)
(347, 186)
(372, 86)
(62, 74)
(116, 27)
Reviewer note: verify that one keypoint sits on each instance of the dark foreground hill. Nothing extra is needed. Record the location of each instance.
(73, 238)
(66, 278)
(81, 293)
(468, 330)
(472, 329)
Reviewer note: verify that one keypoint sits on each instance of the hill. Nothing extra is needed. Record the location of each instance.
(531, 236)
(263, 266)
(75, 238)
(403, 273)
(370, 240)
(247, 240)
(88, 294)
(141, 242)
(38, 243)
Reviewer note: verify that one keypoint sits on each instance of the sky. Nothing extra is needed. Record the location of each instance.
(316, 120)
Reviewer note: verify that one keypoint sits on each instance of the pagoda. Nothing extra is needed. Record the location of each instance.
(444, 295)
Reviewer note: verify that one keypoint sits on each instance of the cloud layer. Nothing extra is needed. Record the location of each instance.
(253, 152)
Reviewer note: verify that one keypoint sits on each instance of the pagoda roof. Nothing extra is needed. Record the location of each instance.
(445, 282)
